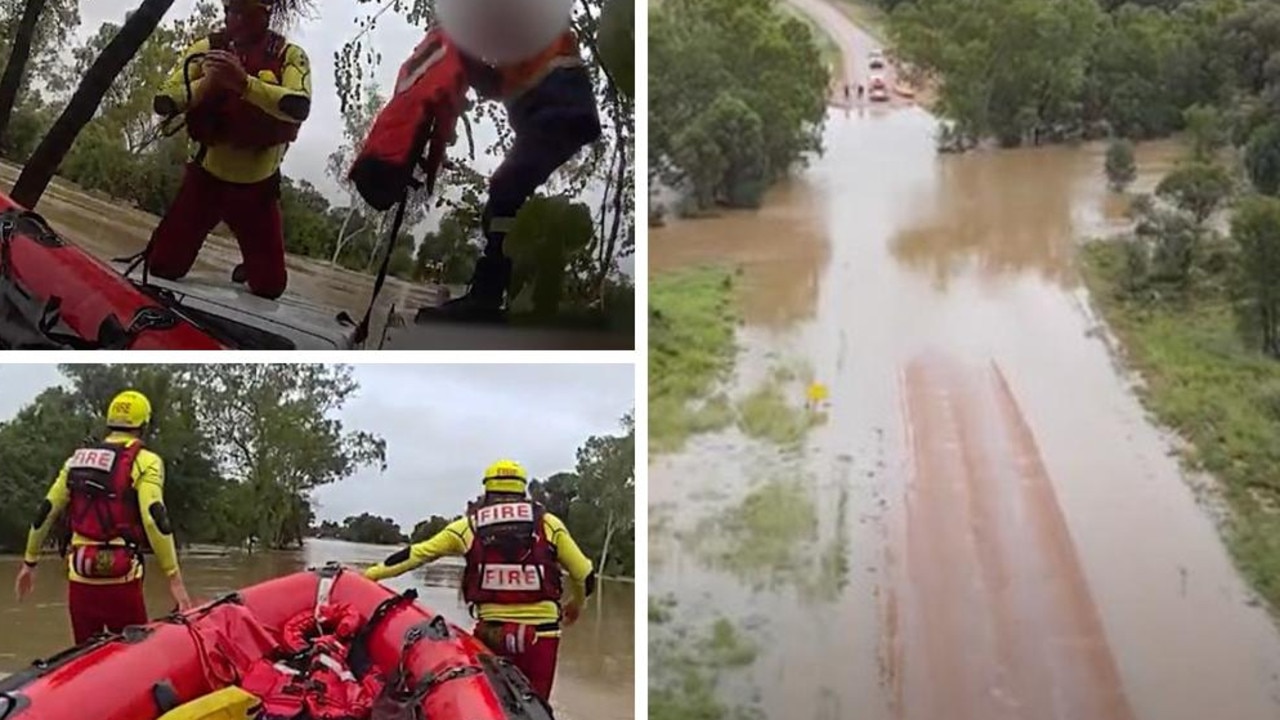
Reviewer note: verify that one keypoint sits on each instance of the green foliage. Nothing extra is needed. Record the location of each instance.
(691, 351)
(616, 40)
(428, 528)
(1262, 158)
(1012, 69)
(1030, 71)
(1202, 379)
(548, 232)
(1196, 188)
(243, 445)
(1120, 167)
(738, 96)
(1206, 131)
(363, 528)
(1256, 229)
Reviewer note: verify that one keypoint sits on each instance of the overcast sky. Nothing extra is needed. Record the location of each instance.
(443, 424)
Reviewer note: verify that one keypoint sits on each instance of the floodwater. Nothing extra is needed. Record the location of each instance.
(987, 525)
(595, 678)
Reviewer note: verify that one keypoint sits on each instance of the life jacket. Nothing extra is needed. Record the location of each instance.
(104, 504)
(419, 119)
(224, 119)
(510, 559)
(314, 680)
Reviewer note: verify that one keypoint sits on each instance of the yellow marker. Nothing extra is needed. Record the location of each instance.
(817, 393)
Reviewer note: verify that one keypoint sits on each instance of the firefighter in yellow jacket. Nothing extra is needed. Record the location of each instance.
(515, 555)
(245, 91)
(113, 494)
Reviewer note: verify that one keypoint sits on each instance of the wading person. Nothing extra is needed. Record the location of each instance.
(515, 554)
(551, 108)
(245, 91)
(113, 496)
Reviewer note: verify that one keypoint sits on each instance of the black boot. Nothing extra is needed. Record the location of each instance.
(484, 299)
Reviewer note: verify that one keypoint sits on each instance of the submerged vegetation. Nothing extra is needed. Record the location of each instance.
(687, 669)
(738, 97)
(692, 316)
(1035, 71)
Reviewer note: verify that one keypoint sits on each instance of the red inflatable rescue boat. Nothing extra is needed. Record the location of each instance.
(325, 644)
(54, 295)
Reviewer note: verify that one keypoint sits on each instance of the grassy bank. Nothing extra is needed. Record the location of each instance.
(692, 315)
(1219, 395)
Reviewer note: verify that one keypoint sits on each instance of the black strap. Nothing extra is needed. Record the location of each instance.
(359, 658)
(362, 330)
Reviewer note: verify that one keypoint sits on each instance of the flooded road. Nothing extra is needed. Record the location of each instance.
(595, 678)
(987, 525)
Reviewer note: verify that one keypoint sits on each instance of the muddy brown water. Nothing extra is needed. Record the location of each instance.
(1020, 543)
(595, 678)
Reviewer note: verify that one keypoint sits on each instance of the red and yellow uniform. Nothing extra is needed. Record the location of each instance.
(241, 121)
(516, 553)
(112, 494)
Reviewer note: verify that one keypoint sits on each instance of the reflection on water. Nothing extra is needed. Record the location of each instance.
(595, 677)
(1003, 212)
(898, 252)
(781, 248)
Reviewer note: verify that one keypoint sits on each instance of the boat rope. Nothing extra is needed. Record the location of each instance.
(206, 658)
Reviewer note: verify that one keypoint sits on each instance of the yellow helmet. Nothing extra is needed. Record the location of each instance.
(505, 476)
(129, 410)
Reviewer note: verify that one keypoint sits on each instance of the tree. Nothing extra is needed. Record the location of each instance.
(44, 162)
(428, 528)
(1206, 130)
(1262, 158)
(1196, 188)
(606, 473)
(738, 97)
(271, 432)
(18, 54)
(370, 529)
(1120, 167)
(1256, 230)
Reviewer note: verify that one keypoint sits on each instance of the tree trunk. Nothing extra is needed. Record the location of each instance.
(44, 162)
(604, 552)
(18, 56)
(342, 232)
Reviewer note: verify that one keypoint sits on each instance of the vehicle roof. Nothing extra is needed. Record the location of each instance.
(308, 325)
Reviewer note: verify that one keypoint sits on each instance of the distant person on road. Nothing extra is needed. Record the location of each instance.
(113, 492)
(861, 91)
(515, 554)
(245, 91)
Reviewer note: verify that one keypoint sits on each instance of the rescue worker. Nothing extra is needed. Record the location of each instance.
(113, 493)
(515, 552)
(551, 108)
(245, 91)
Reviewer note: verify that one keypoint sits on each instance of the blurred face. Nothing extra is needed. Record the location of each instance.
(246, 19)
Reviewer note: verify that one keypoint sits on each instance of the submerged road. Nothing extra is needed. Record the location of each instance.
(1022, 542)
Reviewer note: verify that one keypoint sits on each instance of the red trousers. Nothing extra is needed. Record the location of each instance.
(538, 663)
(252, 212)
(111, 607)
(536, 658)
